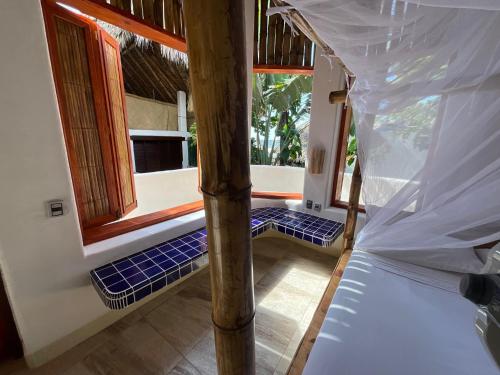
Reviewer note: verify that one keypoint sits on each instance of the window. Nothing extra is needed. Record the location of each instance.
(280, 129)
(345, 160)
(153, 154)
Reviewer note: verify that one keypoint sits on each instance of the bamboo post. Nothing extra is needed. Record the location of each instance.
(217, 67)
(337, 97)
(352, 209)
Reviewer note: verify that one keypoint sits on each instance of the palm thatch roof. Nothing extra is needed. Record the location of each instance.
(150, 70)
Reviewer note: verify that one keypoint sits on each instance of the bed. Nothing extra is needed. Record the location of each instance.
(389, 317)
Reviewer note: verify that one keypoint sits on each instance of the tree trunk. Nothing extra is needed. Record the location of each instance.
(217, 67)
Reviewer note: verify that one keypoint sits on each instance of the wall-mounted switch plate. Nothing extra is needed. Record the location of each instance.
(317, 207)
(309, 204)
(55, 208)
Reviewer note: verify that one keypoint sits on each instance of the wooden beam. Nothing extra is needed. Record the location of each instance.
(127, 21)
(276, 195)
(302, 354)
(278, 41)
(305, 347)
(279, 69)
(263, 32)
(219, 88)
(337, 97)
(256, 21)
(352, 208)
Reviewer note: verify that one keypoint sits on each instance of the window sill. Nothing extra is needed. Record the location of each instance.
(276, 195)
(104, 232)
(127, 243)
(345, 205)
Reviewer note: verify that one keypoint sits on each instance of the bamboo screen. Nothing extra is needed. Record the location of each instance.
(275, 46)
(166, 14)
(274, 43)
(122, 139)
(81, 122)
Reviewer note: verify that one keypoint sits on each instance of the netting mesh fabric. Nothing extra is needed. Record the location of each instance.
(426, 103)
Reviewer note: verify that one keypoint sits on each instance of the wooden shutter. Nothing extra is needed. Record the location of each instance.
(89, 130)
(118, 120)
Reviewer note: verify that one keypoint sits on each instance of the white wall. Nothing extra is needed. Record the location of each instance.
(40, 257)
(277, 178)
(324, 132)
(160, 190)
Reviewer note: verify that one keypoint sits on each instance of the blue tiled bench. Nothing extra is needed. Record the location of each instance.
(130, 279)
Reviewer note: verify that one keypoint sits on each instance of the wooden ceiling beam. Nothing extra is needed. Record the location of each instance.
(280, 69)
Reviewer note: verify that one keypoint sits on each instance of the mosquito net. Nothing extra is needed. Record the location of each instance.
(426, 104)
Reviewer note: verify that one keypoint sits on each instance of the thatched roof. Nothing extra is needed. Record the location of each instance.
(150, 70)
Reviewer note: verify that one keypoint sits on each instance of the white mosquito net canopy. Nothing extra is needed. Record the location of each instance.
(426, 103)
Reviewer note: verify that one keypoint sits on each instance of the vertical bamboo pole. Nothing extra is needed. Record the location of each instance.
(217, 67)
(352, 209)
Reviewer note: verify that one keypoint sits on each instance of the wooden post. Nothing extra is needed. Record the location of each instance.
(217, 67)
(352, 209)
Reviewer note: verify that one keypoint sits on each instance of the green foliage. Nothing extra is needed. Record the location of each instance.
(193, 146)
(413, 123)
(352, 145)
(280, 113)
(194, 135)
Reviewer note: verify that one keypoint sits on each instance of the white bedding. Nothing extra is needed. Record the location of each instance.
(393, 318)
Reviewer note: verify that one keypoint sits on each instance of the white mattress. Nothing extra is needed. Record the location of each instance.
(389, 317)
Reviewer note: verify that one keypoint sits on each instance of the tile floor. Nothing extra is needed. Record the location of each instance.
(172, 334)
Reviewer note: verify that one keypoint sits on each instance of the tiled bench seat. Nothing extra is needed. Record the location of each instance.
(132, 278)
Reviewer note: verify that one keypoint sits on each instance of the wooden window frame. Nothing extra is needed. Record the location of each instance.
(278, 69)
(340, 160)
(103, 11)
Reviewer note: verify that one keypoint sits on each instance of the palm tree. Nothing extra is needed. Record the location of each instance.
(280, 113)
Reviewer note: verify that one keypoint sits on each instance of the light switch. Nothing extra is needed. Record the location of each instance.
(55, 208)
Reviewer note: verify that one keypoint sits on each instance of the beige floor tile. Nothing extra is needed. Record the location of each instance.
(202, 356)
(184, 368)
(138, 343)
(173, 334)
(78, 369)
(182, 321)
